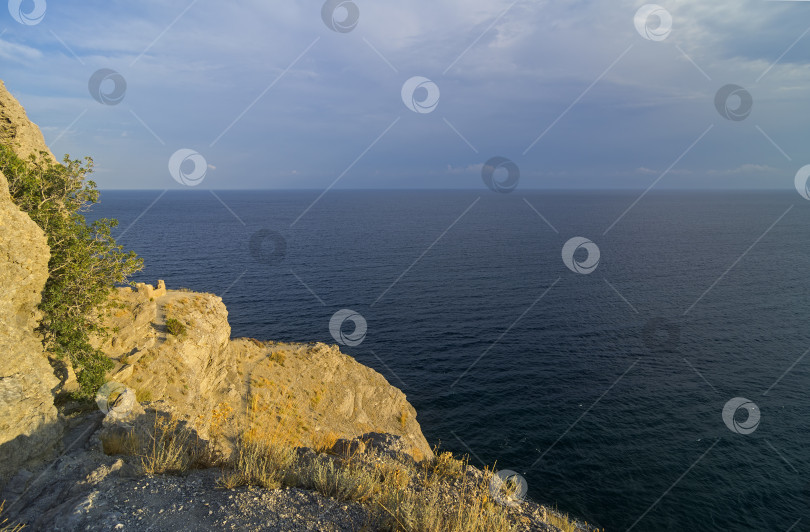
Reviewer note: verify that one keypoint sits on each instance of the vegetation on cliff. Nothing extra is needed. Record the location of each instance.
(397, 493)
(86, 262)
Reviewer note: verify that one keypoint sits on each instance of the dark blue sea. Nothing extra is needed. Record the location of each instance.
(605, 390)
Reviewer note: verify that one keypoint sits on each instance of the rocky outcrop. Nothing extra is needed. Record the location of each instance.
(29, 428)
(302, 394)
(17, 131)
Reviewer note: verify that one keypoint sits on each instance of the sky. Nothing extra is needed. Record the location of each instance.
(420, 94)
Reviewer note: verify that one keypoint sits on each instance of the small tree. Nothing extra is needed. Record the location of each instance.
(85, 264)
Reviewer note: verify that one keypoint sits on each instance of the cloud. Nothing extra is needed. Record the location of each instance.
(758, 169)
(469, 169)
(18, 52)
(673, 171)
(279, 91)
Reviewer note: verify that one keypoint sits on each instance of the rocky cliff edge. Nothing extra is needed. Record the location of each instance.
(307, 393)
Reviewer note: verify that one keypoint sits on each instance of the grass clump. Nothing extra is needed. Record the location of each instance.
(324, 442)
(429, 508)
(169, 448)
(143, 395)
(278, 357)
(5, 526)
(446, 465)
(562, 521)
(260, 464)
(175, 327)
(119, 442)
(398, 495)
(316, 398)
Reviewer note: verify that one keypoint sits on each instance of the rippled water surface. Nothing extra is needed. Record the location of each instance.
(604, 390)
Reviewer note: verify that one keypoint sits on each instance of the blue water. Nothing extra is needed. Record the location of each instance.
(604, 421)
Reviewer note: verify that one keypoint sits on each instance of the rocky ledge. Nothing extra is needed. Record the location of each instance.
(196, 372)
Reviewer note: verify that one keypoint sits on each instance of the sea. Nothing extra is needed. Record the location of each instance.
(640, 360)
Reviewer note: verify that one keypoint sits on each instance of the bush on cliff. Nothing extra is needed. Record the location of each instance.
(175, 327)
(86, 262)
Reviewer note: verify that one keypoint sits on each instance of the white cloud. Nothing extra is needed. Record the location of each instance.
(469, 169)
(18, 52)
(748, 168)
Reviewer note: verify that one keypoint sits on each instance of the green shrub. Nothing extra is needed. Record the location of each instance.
(175, 327)
(86, 262)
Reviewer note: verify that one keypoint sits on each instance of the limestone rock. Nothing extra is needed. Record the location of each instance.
(126, 409)
(150, 291)
(130, 320)
(304, 394)
(64, 372)
(16, 130)
(124, 373)
(29, 428)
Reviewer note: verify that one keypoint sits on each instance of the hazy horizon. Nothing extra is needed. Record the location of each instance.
(459, 189)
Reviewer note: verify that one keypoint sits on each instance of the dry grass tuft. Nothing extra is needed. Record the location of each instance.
(445, 465)
(401, 497)
(278, 357)
(5, 526)
(125, 443)
(560, 520)
(260, 464)
(323, 442)
(316, 398)
(444, 494)
(432, 508)
(170, 448)
(342, 482)
(220, 417)
(143, 395)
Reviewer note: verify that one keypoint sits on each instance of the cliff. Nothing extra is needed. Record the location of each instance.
(322, 393)
(309, 393)
(29, 425)
(16, 130)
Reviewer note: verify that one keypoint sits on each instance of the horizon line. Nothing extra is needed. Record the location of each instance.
(477, 189)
